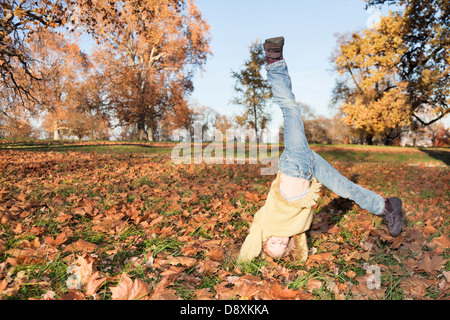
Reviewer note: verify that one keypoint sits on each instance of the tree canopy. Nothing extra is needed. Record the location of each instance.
(396, 74)
(140, 73)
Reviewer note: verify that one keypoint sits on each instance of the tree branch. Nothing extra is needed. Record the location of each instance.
(354, 80)
(442, 115)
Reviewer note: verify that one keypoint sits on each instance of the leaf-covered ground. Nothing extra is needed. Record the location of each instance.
(114, 223)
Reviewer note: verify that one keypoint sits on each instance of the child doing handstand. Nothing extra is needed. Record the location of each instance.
(278, 228)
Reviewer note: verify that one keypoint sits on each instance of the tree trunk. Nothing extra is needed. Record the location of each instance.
(256, 124)
(142, 133)
(150, 134)
(56, 135)
(369, 139)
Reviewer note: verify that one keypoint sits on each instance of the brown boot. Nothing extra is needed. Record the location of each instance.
(273, 48)
(392, 215)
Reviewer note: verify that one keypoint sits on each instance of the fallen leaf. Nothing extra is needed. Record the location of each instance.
(93, 283)
(431, 265)
(172, 273)
(128, 289)
(429, 230)
(216, 254)
(81, 245)
(334, 230)
(49, 295)
(18, 229)
(280, 293)
(444, 286)
(249, 278)
(314, 284)
(185, 261)
(443, 241)
(224, 291)
(246, 290)
(362, 292)
(37, 230)
(108, 225)
(60, 239)
(326, 256)
(208, 267)
(204, 294)
(446, 275)
(3, 285)
(415, 286)
(85, 264)
(397, 242)
(73, 295)
(162, 292)
(156, 221)
(63, 217)
(26, 256)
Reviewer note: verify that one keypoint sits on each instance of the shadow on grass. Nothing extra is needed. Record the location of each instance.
(337, 208)
(438, 154)
(65, 147)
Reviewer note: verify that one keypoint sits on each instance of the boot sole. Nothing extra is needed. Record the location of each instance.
(397, 203)
(276, 40)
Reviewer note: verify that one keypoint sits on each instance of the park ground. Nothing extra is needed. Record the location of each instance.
(113, 220)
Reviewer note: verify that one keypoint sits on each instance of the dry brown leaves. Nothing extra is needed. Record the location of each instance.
(179, 229)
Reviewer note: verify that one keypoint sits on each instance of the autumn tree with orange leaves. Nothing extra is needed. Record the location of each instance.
(61, 65)
(150, 51)
(373, 98)
(18, 19)
(394, 73)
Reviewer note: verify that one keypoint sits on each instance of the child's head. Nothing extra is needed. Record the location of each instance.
(278, 247)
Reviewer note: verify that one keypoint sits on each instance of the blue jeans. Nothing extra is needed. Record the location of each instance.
(298, 160)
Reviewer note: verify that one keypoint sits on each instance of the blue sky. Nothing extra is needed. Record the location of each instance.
(308, 27)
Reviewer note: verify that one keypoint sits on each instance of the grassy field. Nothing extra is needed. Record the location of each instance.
(108, 220)
(407, 155)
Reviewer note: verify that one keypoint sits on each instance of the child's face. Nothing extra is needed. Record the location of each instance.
(276, 246)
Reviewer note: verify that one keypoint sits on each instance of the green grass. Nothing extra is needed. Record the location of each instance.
(347, 153)
(101, 147)
(383, 154)
(156, 245)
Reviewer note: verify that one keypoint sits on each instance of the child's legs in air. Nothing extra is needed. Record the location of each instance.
(299, 164)
(343, 187)
(296, 162)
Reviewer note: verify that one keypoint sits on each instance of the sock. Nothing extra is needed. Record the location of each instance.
(296, 197)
